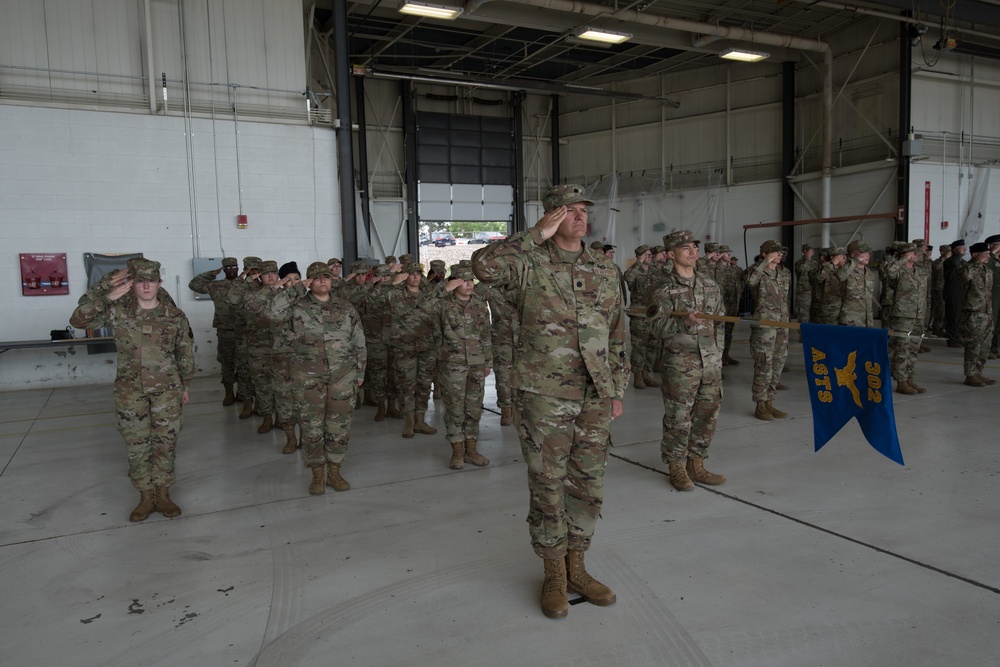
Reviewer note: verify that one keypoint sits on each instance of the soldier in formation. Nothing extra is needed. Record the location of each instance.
(155, 366)
(828, 289)
(953, 292)
(976, 322)
(224, 321)
(412, 305)
(639, 279)
(768, 345)
(569, 378)
(906, 316)
(937, 292)
(503, 324)
(730, 279)
(993, 242)
(690, 362)
(804, 269)
(858, 280)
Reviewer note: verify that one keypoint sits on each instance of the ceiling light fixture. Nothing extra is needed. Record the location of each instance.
(743, 55)
(601, 35)
(429, 10)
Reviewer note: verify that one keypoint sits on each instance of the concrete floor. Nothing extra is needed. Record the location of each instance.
(833, 558)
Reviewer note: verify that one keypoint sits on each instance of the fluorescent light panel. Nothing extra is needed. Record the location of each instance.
(605, 36)
(743, 55)
(430, 10)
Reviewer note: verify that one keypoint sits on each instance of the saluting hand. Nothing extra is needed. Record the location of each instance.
(549, 223)
(120, 290)
(119, 276)
(453, 284)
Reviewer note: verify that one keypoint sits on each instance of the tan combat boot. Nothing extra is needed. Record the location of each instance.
(775, 412)
(472, 456)
(648, 380)
(334, 479)
(291, 444)
(696, 471)
(987, 381)
(420, 426)
(974, 381)
(164, 505)
(457, 456)
(578, 580)
(912, 383)
(266, 425)
(408, 425)
(903, 387)
(392, 411)
(506, 416)
(678, 476)
(316, 486)
(638, 382)
(230, 396)
(380, 411)
(762, 412)
(554, 601)
(247, 408)
(144, 508)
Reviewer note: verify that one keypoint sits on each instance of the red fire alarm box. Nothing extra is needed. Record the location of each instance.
(241, 221)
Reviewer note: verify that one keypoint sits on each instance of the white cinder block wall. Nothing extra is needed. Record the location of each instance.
(81, 181)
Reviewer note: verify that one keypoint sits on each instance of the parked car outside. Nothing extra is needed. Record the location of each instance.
(486, 237)
(442, 239)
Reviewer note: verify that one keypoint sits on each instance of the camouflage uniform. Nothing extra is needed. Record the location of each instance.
(504, 323)
(994, 265)
(730, 280)
(976, 323)
(690, 361)
(937, 292)
(328, 360)
(223, 320)
(260, 342)
(638, 278)
(155, 366)
(237, 291)
(858, 289)
(953, 294)
(906, 316)
(804, 269)
(413, 342)
(768, 345)
(463, 361)
(377, 323)
(827, 296)
(569, 364)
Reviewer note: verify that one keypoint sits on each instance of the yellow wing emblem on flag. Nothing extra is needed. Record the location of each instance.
(846, 377)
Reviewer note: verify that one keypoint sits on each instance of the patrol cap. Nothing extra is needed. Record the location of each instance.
(806, 246)
(947, 248)
(270, 266)
(317, 269)
(674, 239)
(902, 247)
(391, 259)
(230, 261)
(979, 247)
(382, 270)
(335, 260)
(406, 259)
(563, 195)
(251, 262)
(838, 250)
(359, 266)
(465, 262)
(461, 272)
(920, 243)
(723, 249)
(289, 268)
(642, 250)
(858, 245)
(770, 246)
(597, 245)
(144, 269)
(711, 247)
(992, 239)
(414, 267)
(437, 265)
(958, 243)
(657, 249)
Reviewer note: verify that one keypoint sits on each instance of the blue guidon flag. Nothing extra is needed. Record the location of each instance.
(847, 370)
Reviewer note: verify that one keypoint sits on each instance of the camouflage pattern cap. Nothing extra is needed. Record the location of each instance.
(465, 262)
(838, 250)
(406, 259)
(461, 272)
(858, 245)
(317, 269)
(711, 247)
(769, 247)
(230, 261)
(563, 195)
(438, 265)
(902, 247)
(359, 266)
(144, 269)
(674, 239)
(641, 250)
(657, 249)
(391, 259)
(414, 267)
(270, 266)
(335, 260)
(724, 248)
(382, 270)
(920, 243)
(251, 262)
(944, 248)
(806, 247)
(597, 245)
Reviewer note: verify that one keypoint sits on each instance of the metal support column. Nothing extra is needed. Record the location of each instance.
(410, 161)
(359, 107)
(345, 142)
(555, 139)
(903, 162)
(517, 107)
(788, 154)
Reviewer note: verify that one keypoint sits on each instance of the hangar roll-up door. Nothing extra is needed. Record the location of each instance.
(465, 168)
